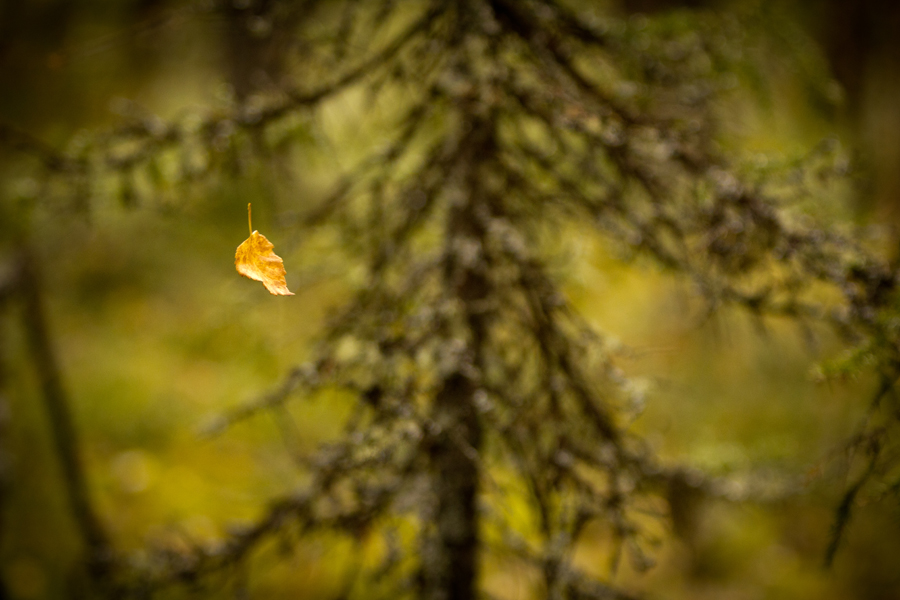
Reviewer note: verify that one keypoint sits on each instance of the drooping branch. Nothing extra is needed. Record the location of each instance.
(152, 136)
(355, 481)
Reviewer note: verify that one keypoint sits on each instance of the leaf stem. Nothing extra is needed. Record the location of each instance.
(249, 219)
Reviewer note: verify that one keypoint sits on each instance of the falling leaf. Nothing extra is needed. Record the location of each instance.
(255, 259)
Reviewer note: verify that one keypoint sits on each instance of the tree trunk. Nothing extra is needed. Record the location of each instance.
(62, 427)
(451, 569)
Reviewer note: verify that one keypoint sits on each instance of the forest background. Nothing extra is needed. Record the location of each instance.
(160, 343)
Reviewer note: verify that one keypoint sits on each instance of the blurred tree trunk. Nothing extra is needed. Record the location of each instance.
(62, 426)
(31, 38)
(452, 572)
(862, 41)
(252, 52)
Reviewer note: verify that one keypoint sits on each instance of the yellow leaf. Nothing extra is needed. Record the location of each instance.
(255, 259)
